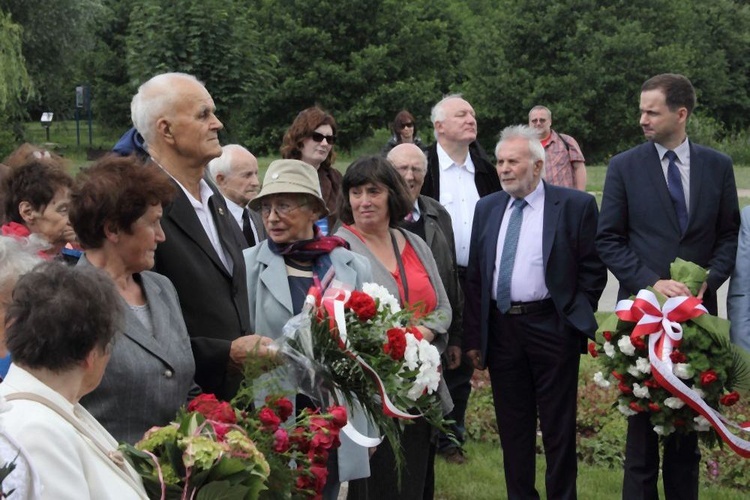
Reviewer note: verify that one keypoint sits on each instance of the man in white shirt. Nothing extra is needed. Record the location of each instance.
(458, 174)
(202, 253)
(235, 173)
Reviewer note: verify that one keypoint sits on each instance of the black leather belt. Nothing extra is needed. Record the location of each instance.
(517, 308)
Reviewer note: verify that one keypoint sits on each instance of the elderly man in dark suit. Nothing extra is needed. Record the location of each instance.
(664, 199)
(532, 286)
(202, 254)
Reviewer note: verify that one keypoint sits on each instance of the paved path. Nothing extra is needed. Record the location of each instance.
(609, 297)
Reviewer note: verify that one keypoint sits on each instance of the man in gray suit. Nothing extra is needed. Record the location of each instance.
(235, 173)
(202, 253)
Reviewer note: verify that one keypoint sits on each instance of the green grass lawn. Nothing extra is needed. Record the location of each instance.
(481, 478)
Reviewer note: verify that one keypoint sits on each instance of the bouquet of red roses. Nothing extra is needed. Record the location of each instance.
(214, 450)
(669, 358)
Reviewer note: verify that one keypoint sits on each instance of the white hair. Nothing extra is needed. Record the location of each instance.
(539, 107)
(530, 135)
(153, 100)
(17, 257)
(223, 164)
(438, 113)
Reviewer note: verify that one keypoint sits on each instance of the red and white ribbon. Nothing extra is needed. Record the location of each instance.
(662, 325)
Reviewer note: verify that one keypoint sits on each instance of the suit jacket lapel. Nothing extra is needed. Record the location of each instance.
(698, 171)
(493, 233)
(274, 278)
(551, 215)
(655, 177)
(183, 215)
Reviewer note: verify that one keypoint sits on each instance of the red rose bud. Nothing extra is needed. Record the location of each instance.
(283, 406)
(636, 407)
(299, 439)
(651, 383)
(220, 430)
(592, 350)
(708, 377)
(281, 441)
(678, 422)
(654, 408)
(617, 375)
(338, 414)
(677, 357)
(607, 336)
(363, 305)
(625, 388)
(415, 331)
(269, 419)
(729, 399)
(637, 342)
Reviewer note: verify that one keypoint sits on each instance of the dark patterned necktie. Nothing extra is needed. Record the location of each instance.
(247, 229)
(674, 184)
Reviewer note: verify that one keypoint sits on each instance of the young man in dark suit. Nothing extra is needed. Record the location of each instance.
(664, 199)
(532, 286)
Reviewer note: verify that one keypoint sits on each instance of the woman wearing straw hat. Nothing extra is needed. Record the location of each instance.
(290, 202)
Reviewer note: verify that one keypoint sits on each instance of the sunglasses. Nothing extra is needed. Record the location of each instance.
(405, 125)
(318, 137)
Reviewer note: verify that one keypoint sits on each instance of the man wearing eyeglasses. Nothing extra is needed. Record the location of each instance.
(458, 174)
(564, 163)
(202, 254)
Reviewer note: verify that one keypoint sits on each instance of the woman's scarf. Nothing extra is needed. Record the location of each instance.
(316, 250)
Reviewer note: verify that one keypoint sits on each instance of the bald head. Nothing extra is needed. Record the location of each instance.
(235, 172)
(411, 164)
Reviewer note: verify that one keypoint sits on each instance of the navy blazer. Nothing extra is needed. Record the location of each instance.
(213, 300)
(639, 235)
(574, 274)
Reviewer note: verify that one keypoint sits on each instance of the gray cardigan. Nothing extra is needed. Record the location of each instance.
(438, 322)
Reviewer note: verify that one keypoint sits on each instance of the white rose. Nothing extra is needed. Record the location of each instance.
(609, 349)
(626, 346)
(674, 403)
(683, 371)
(601, 381)
(643, 365)
(640, 391)
(701, 424)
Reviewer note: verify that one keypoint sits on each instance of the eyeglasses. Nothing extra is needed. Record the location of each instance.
(318, 137)
(539, 120)
(416, 171)
(409, 125)
(282, 209)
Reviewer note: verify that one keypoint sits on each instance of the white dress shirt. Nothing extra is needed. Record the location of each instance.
(459, 196)
(527, 282)
(236, 211)
(683, 165)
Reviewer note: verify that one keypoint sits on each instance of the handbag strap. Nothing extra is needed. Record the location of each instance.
(401, 271)
(114, 456)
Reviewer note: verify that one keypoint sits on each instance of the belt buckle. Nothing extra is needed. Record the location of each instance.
(517, 309)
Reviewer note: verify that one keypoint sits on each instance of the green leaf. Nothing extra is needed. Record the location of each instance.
(222, 490)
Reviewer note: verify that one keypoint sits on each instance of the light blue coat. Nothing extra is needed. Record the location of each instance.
(271, 307)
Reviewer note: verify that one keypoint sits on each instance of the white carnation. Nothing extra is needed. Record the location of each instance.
(674, 403)
(663, 430)
(382, 296)
(626, 346)
(625, 410)
(640, 391)
(634, 371)
(683, 371)
(643, 365)
(411, 353)
(609, 349)
(701, 424)
(601, 381)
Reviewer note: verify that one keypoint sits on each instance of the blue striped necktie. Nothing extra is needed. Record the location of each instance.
(508, 257)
